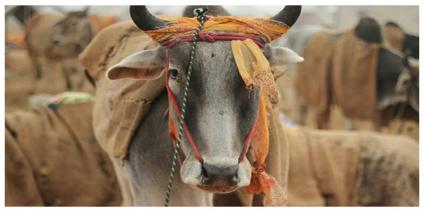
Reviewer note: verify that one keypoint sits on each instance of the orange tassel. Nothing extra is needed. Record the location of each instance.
(261, 182)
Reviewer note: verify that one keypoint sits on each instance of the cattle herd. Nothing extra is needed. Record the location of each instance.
(98, 111)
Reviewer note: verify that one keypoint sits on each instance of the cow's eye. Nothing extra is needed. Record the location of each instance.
(173, 74)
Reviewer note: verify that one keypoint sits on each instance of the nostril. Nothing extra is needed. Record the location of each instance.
(204, 172)
(236, 179)
(219, 175)
(209, 169)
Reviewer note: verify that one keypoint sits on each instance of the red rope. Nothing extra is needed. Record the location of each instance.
(171, 98)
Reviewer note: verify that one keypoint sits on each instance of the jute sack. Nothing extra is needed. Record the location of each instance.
(53, 158)
(342, 168)
(120, 104)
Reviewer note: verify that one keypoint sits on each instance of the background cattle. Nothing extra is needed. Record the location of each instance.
(49, 50)
(54, 39)
(53, 159)
(388, 103)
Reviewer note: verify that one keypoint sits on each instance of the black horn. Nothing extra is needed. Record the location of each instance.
(288, 15)
(144, 19)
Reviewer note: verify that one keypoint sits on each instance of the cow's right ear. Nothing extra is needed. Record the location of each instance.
(145, 65)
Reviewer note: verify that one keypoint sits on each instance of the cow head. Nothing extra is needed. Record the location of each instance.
(368, 30)
(220, 109)
(71, 34)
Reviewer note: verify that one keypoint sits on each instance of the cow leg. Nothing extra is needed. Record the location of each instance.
(350, 124)
(322, 118)
(37, 72)
(67, 76)
(303, 111)
(37, 65)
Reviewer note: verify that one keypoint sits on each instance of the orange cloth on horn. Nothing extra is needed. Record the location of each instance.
(184, 26)
(254, 68)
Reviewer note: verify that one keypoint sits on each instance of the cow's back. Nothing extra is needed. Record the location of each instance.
(389, 172)
(329, 167)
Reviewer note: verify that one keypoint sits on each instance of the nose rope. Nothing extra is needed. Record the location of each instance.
(200, 14)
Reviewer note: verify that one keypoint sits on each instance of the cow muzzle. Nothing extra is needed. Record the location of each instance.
(216, 176)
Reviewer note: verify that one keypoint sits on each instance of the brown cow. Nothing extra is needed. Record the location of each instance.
(58, 39)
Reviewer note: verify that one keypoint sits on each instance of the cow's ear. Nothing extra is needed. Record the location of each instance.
(145, 65)
(278, 56)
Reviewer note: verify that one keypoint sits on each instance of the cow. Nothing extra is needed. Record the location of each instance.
(221, 172)
(52, 157)
(57, 40)
(398, 39)
(390, 64)
(128, 69)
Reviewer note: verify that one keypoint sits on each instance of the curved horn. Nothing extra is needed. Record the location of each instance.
(288, 15)
(144, 19)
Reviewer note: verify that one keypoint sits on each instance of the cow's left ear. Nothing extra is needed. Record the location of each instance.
(278, 56)
(145, 65)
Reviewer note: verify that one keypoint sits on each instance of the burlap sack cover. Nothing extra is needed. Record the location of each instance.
(53, 158)
(323, 167)
(120, 104)
(354, 76)
(312, 81)
(341, 168)
(339, 69)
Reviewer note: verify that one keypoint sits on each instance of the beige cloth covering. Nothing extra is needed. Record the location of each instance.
(120, 104)
(339, 69)
(323, 167)
(312, 81)
(53, 158)
(354, 76)
(341, 168)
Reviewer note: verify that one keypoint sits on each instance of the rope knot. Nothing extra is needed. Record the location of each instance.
(258, 168)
